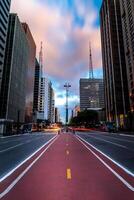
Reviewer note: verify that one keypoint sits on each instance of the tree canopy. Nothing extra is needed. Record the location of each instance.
(86, 118)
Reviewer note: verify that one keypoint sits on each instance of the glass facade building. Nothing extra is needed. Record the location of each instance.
(127, 19)
(91, 94)
(114, 63)
(4, 16)
(12, 99)
(36, 86)
(30, 74)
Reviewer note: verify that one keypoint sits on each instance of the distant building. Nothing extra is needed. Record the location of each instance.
(52, 105)
(36, 87)
(76, 110)
(43, 112)
(30, 74)
(4, 16)
(57, 115)
(46, 101)
(12, 98)
(114, 64)
(91, 94)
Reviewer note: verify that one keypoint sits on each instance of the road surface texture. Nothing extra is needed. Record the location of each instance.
(13, 150)
(118, 147)
(69, 168)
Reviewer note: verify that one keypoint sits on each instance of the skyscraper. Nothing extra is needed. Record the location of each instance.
(57, 115)
(30, 74)
(91, 93)
(36, 86)
(4, 15)
(46, 101)
(127, 19)
(12, 97)
(52, 105)
(114, 64)
(44, 107)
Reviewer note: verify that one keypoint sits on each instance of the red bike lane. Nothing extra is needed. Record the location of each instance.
(68, 171)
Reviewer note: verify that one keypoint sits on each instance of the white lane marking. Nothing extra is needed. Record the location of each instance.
(127, 135)
(27, 141)
(7, 190)
(107, 133)
(116, 163)
(120, 139)
(28, 158)
(115, 138)
(3, 151)
(17, 140)
(128, 185)
(10, 136)
(116, 144)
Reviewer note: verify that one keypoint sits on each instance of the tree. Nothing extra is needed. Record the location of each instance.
(86, 118)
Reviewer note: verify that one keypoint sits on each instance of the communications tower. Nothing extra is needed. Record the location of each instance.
(91, 74)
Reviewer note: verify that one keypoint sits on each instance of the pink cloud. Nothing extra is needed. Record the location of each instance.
(49, 26)
(66, 54)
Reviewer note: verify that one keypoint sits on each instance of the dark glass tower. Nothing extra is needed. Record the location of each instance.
(30, 75)
(4, 15)
(114, 63)
(12, 99)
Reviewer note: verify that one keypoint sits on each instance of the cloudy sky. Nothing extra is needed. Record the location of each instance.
(65, 27)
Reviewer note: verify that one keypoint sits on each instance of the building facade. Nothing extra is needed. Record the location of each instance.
(4, 16)
(91, 94)
(52, 105)
(76, 110)
(46, 101)
(127, 19)
(36, 86)
(12, 97)
(57, 115)
(114, 63)
(30, 75)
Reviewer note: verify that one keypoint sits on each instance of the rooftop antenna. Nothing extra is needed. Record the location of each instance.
(41, 59)
(91, 74)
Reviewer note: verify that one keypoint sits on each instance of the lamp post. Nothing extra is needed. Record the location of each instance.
(67, 86)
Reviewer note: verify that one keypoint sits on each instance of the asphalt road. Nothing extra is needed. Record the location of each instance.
(70, 167)
(14, 150)
(118, 147)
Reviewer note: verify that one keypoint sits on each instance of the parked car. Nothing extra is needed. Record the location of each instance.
(111, 126)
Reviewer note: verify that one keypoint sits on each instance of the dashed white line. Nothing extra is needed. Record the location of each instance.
(116, 138)
(3, 151)
(116, 144)
(12, 147)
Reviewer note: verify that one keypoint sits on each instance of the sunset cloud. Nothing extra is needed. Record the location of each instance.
(65, 29)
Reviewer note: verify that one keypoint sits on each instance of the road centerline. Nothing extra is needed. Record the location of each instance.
(69, 175)
(67, 152)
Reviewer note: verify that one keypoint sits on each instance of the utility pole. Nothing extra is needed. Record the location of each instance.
(67, 86)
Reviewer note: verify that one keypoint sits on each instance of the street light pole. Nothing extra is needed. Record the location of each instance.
(67, 86)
